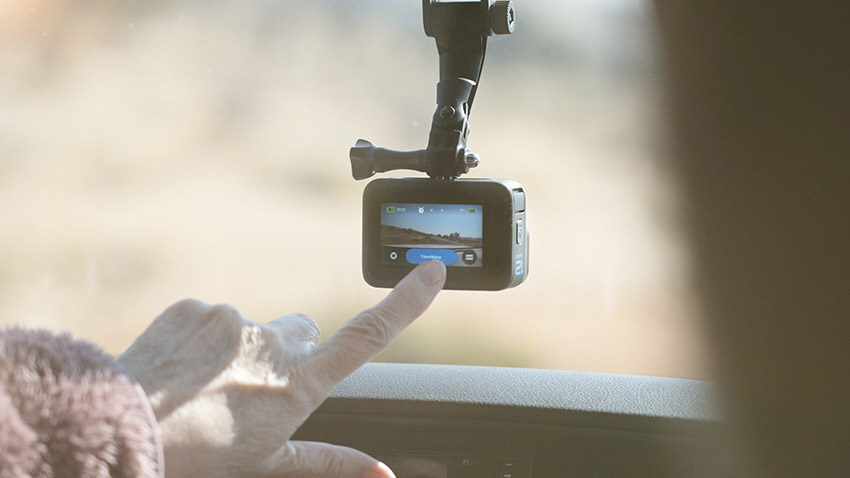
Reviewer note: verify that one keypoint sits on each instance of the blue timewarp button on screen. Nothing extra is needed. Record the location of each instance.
(418, 256)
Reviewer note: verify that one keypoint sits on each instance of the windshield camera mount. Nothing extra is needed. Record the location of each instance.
(460, 28)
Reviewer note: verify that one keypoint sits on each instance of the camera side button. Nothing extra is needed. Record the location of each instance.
(520, 231)
(519, 200)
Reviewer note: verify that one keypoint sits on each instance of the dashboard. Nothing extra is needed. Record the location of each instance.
(445, 421)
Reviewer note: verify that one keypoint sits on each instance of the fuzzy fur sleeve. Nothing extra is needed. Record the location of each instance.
(67, 409)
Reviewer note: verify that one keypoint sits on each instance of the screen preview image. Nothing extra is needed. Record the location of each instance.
(415, 233)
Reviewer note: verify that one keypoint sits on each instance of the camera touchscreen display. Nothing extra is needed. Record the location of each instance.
(414, 233)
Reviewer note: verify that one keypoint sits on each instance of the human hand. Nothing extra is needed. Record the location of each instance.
(228, 393)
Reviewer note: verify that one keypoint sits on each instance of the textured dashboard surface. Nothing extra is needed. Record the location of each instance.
(622, 395)
(558, 423)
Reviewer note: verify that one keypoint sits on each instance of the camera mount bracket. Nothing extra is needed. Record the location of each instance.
(460, 28)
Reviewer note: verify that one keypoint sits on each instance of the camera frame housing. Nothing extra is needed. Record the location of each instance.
(504, 229)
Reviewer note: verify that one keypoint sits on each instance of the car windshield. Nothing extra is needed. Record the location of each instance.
(151, 151)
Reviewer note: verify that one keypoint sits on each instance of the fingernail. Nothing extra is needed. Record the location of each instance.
(432, 273)
(380, 471)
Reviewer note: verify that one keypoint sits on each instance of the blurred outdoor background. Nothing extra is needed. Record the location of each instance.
(154, 150)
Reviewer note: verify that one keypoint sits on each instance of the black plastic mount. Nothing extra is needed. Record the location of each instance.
(460, 28)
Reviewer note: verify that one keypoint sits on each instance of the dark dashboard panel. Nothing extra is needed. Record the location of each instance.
(432, 421)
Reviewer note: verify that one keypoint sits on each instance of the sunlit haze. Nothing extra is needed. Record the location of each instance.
(151, 151)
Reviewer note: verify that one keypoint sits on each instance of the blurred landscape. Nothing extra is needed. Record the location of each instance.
(396, 236)
(151, 151)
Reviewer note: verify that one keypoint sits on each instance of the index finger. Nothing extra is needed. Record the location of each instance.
(372, 330)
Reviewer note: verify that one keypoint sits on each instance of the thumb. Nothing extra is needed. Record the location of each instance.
(315, 459)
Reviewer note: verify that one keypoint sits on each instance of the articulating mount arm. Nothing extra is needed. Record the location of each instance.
(460, 29)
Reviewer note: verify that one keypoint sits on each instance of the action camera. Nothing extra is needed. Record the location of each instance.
(476, 227)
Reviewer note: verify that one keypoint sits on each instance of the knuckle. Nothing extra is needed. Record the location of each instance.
(411, 303)
(308, 325)
(224, 315)
(182, 308)
(295, 329)
(252, 338)
(373, 327)
(400, 310)
(289, 455)
(336, 464)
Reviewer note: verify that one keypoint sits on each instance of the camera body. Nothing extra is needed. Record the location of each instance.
(477, 227)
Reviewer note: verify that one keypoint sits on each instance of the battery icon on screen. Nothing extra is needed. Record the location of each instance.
(391, 209)
(472, 210)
